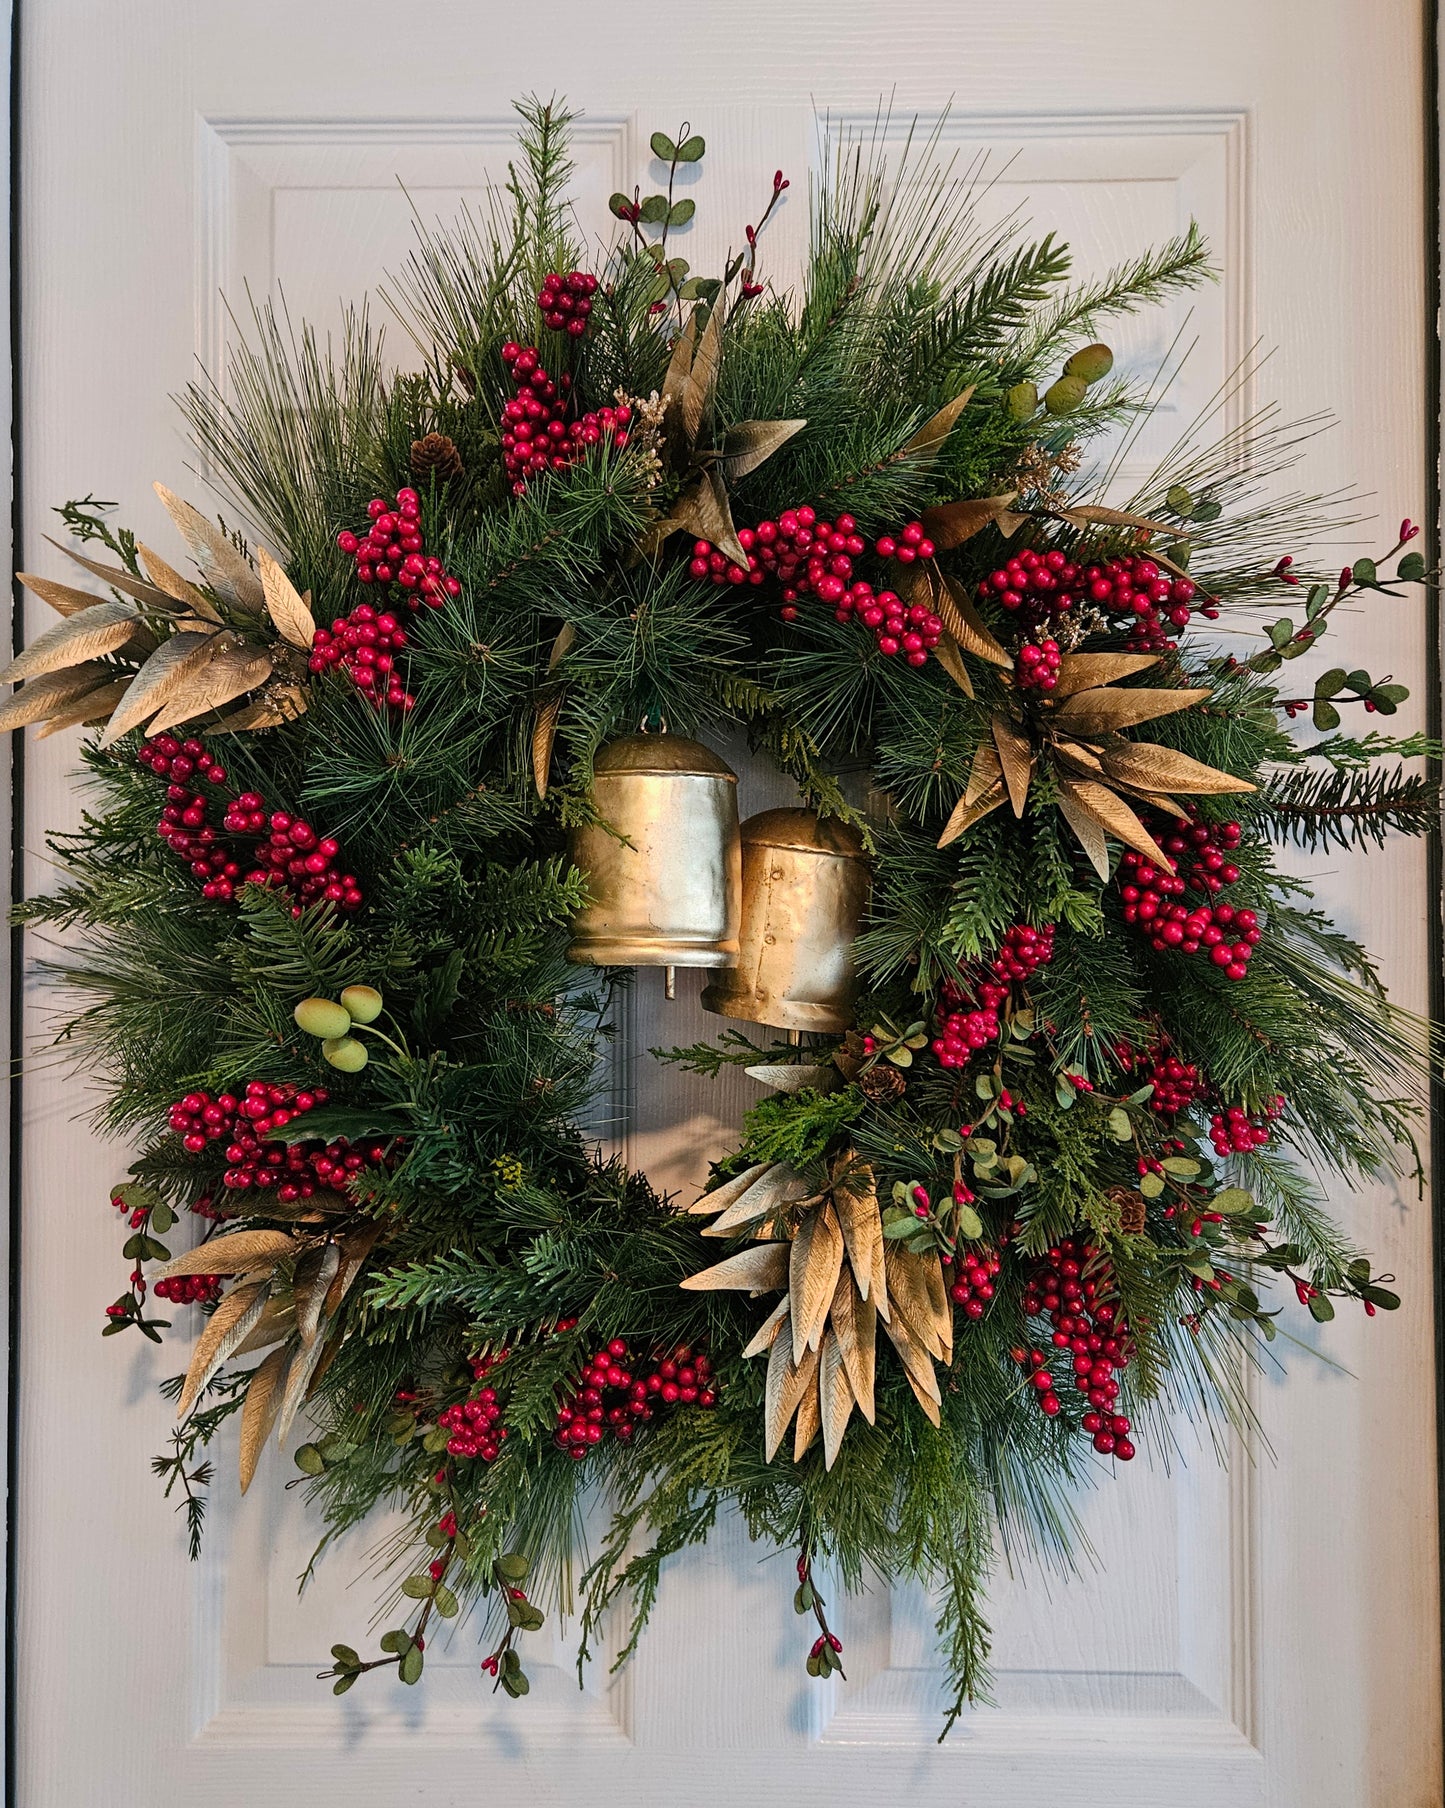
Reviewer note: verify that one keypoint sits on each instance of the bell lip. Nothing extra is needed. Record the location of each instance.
(622, 951)
(780, 1014)
(804, 831)
(645, 753)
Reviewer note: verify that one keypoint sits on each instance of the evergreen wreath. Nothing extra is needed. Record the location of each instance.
(1036, 1199)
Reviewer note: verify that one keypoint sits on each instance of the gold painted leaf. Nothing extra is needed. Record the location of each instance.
(1151, 767)
(562, 645)
(64, 599)
(762, 1338)
(835, 1397)
(258, 1415)
(277, 1321)
(222, 566)
(854, 1322)
(966, 814)
(1083, 671)
(721, 1197)
(697, 388)
(356, 1246)
(786, 1385)
(761, 1269)
(330, 1350)
(42, 697)
(253, 717)
(1016, 759)
(680, 362)
(298, 1380)
(932, 1408)
(92, 706)
(1113, 815)
(809, 1418)
(314, 1274)
(173, 663)
(950, 656)
(230, 673)
(118, 578)
(1079, 758)
(926, 442)
(793, 1076)
(959, 614)
(954, 522)
(1088, 828)
(293, 620)
(88, 634)
(813, 1265)
(167, 578)
(916, 1364)
(1090, 514)
(1100, 712)
(233, 1252)
(782, 1185)
(912, 1295)
(856, 1202)
(748, 444)
(227, 1327)
(544, 734)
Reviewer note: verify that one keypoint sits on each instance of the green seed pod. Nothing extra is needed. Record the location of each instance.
(322, 1017)
(1065, 396)
(1023, 400)
(363, 1002)
(1090, 362)
(346, 1053)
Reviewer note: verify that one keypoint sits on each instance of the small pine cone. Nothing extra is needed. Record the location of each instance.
(882, 1084)
(1131, 1210)
(435, 456)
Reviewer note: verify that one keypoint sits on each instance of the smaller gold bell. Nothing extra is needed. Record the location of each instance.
(662, 863)
(805, 888)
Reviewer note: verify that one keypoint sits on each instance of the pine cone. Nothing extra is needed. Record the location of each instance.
(1131, 1210)
(882, 1084)
(435, 456)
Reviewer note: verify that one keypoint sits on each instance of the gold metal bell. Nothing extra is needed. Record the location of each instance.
(805, 888)
(663, 864)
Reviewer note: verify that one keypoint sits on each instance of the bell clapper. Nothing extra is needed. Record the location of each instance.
(795, 1038)
(669, 982)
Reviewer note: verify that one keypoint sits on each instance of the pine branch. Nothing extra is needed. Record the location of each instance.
(1350, 807)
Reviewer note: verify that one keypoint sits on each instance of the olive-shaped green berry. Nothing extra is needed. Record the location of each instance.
(1023, 400)
(1090, 362)
(363, 1002)
(1065, 396)
(346, 1053)
(322, 1017)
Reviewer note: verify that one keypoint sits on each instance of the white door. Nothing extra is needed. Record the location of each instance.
(1267, 1637)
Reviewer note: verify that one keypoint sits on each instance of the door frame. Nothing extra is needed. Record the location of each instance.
(12, 793)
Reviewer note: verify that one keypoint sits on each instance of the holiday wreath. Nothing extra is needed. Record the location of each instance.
(1064, 1041)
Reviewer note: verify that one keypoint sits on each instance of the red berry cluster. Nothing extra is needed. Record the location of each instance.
(678, 1377)
(183, 826)
(1045, 586)
(366, 643)
(1176, 1083)
(475, 1424)
(962, 1033)
(1071, 1285)
(392, 551)
(1150, 897)
(189, 1289)
(297, 1170)
(566, 301)
(972, 1284)
(293, 855)
(536, 434)
(179, 760)
(1234, 1132)
(1024, 951)
(1038, 665)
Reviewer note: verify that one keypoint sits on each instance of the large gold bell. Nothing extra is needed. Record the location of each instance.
(805, 887)
(663, 866)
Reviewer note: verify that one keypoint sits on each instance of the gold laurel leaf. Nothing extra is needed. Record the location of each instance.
(228, 674)
(230, 1254)
(935, 430)
(293, 620)
(813, 1264)
(966, 814)
(221, 564)
(64, 599)
(954, 522)
(314, 1274)
(761, 1269)
(165, 577)
(258, 1415)
(544, 733)
(1098, 712)
(959, 615)
(835, 1396)
(781, 1185)
(721, 1197)
(227, 1326)
(93, 706)
(810, 1416)
(118, 578)
(88, 634)
(1016, 757)
(1085, 671)
(767, 1331)
(950, 656)
(854, 1322)
(856, 1203)
(1115, 816)
(1151, 767)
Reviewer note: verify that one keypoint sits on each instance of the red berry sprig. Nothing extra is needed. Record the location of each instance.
(1038, 665)
(393, 551)
(475, 1423)
(536, 434)
(1044, 586)
(1071, 1286)
(1151, 897)
(255, 1160)
(1023, 951)
(973, 1276)
(189, 1289)
(1234, 1132)
(365, 643)
(612, 1397)
(962, 1033)
(566, 301)
(293, 856)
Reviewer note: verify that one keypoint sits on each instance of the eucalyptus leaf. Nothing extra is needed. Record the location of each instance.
(662, 147)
